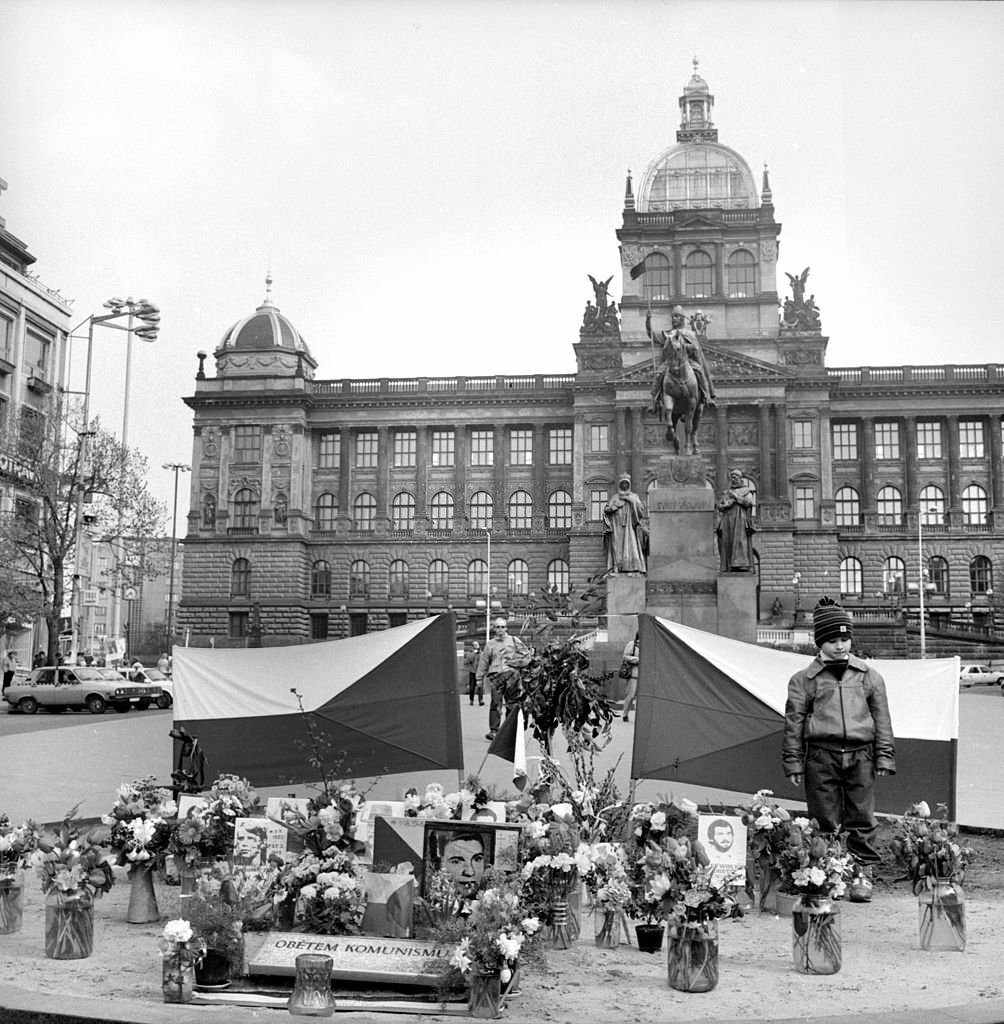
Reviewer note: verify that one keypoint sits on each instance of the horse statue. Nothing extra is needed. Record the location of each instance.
(679, 398)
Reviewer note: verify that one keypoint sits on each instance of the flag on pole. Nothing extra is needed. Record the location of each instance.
(510, 745)
(637, 270)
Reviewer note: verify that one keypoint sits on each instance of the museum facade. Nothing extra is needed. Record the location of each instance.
(327, 508)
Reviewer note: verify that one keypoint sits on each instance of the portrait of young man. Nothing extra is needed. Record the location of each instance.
(461, 851)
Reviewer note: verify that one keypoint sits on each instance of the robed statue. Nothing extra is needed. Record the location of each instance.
(735, 526)
(625, 530)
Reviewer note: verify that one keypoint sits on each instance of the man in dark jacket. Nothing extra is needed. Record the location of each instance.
(838, 738)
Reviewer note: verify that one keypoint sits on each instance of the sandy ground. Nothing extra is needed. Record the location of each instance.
(884, 969)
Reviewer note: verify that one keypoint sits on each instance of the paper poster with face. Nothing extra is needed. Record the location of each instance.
(186, 801)
(724, 839)
(462, 850)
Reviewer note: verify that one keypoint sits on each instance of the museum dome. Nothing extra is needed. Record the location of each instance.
(698, 172)
(266, 329)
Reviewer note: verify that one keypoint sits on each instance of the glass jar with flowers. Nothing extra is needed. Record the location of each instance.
(140, 833)
(601, 865)
(334, 901)
(936, 859)
(181, 949)
(818, 881)
(548, 879)
(217, 913)
(73, 869)
(766, 828)
(17, 842)
(492, 937)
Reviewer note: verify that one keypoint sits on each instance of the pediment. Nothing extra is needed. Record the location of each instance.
(726, 367)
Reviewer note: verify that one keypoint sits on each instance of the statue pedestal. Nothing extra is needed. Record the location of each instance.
(737, 606)
(625, 601)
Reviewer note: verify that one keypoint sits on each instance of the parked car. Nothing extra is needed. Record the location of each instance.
(979, 675)
(155, 680)
(77, 687)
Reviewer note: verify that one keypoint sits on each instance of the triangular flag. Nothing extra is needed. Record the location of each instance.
(504, 744)
(637, 270)
(519, 753)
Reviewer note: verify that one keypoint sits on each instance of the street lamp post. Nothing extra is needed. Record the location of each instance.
(176, 467)
(796, 582)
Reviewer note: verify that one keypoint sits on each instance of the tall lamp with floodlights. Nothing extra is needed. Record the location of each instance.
(176, 468)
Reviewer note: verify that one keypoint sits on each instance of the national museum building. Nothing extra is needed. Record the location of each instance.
(324, 508)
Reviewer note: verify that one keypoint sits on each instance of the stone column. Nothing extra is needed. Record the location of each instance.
(462, 447)
(954, 497)
(781, 436)
(622, 440)
(383, 471)
(719, 258)
(722, 445)
(996, 467)
(637, 445)
(344, 476)
(676, 273)
(500, 496)
(866, 458)
(766, 466)
(910, 467)
(539, 470)
(421, 471)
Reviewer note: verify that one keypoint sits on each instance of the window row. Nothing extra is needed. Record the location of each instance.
(699, 276)
(441, 511)
(432, 581)
(933, 506)
(888, 441)
(936, 576)
(442, 447)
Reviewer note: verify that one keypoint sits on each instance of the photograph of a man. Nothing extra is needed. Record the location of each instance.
(721, 835)
(724, 839)
(461, 852)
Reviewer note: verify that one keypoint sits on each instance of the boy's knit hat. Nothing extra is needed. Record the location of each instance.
(830, 622)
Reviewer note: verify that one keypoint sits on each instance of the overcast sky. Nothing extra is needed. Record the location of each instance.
(432, 182)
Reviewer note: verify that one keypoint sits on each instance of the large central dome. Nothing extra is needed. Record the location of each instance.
(697, 175)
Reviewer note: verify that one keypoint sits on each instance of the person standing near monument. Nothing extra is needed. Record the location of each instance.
(625, 530)
(9, 667)
(471, 659)
(735, 526)
(838, 738)
(502, 655)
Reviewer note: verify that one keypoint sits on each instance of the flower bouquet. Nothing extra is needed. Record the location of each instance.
(767, 826)
(436, 803)
(217, 914)
(602, 867)
(936, 862)
(181, 950)
(73, 869)
(334, 902)
(819, 878)
(16, 845)
(548, 879)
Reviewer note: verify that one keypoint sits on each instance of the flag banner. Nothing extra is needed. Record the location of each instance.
(710, 711)
(383, 703)
(504, 744)
(637, 270)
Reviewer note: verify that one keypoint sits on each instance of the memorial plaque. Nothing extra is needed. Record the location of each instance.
(354, 957)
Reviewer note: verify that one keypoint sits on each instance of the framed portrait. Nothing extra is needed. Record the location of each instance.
(463, 850)
(724, 839)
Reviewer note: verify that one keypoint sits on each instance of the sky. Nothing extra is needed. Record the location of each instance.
(431, 182)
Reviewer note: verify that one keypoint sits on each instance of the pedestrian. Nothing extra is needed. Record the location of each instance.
(9, 667)
(629, 664)
(500, 660)
(471, 659)
(163, 663)
(39, 660)
(838, 738)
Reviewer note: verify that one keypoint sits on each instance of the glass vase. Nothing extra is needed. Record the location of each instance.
(142, 899)
(69, 925)
(941, 908)
(311, 996)
(692, 956)
(485, 997)
(815, 926)
(559, 930)
(178, 973)
(607, 927)
(575, 912)
(11, 901)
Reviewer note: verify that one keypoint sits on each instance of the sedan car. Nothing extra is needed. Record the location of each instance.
(74, 687)
(156, 681)
(979, 675)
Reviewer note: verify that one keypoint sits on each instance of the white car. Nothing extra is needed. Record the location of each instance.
(159, 684)
(980, 675)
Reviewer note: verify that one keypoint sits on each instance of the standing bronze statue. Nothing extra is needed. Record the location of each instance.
(625, 530)
(735, 526)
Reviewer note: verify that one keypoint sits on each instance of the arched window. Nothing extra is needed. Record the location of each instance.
(656, 282)
(245, 509)
(439, 578)
(974, 506)
(477, 578)
(442, 511)
(742, 275)
(981, 575)
(932, 505)
(520, 511)
(557, 576)
(320, 579)
(894, 576)
(240, 578)
(402, 511)
(559, 510)
(847, 506)
(363, 511)
(698, 276)
(889, 504)
(209, 511)
(482, 510)
(851, 580)
(398, 578)
(325, 512)
(937, 575)
(518, 578)
(359, 579)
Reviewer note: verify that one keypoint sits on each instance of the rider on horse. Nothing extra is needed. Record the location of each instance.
(695, 356)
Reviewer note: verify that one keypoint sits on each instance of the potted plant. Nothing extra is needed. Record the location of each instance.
(17, 842)
(217, 916)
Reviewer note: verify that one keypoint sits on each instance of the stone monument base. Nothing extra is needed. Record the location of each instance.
(625, 601)
(737, 606)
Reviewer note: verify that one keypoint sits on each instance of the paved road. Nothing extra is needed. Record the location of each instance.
(48, 763)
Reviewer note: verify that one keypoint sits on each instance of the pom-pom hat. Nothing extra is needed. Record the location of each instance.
(830, 622)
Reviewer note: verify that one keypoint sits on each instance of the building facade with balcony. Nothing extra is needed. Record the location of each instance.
(34, 325)
(324, 508)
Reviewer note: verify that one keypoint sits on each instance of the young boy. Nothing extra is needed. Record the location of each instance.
(838, 738)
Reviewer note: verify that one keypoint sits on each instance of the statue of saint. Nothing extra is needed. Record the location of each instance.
(695, 356)
(735, 526)
(625, 526)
